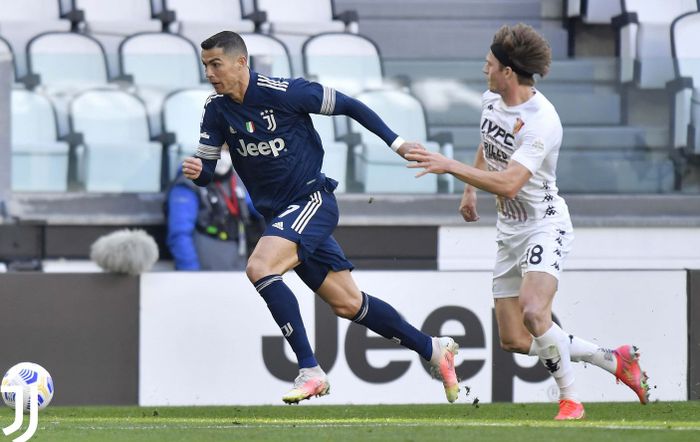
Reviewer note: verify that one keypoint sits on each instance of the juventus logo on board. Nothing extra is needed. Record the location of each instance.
(269, 116)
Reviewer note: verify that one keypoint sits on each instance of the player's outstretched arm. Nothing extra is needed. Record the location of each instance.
(506, 183)
(360, 112)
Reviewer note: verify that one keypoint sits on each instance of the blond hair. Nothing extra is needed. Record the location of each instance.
(527, 50)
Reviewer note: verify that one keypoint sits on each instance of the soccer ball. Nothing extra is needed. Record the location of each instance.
(27, 374)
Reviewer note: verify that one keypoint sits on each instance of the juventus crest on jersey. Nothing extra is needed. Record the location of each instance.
(531, 134)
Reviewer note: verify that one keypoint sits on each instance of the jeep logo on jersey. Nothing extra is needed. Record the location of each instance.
(262, 148)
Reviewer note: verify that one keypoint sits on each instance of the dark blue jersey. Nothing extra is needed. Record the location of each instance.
(273, 144)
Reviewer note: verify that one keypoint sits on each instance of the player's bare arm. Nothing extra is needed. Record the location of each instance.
(192, 167)
(506, 183)
(467, 206)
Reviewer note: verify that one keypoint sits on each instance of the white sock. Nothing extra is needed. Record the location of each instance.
(582, 350)
(554, 354)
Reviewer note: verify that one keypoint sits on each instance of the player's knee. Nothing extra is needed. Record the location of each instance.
(256, 269)
(515, 344)
(347, 307)
(533, 317)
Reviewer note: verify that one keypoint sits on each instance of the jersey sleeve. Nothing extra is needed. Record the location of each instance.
(211, 137)
(310, 97)
(534, 148)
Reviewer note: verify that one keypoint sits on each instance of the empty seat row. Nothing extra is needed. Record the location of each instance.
(110, 147)
(62, 60)
(112, 20)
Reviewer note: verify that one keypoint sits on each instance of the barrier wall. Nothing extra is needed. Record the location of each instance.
(212, 336)
(207, 338)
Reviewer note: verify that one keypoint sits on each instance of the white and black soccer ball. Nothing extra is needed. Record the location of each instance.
(26, 374)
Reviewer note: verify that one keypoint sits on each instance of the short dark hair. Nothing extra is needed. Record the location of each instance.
(229, 41)
(527, 49)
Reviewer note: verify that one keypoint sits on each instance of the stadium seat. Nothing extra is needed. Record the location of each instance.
(377, 167)
(349, 63)
(336, 152)
(21, 20)
(67, 62)
(268, 54)
(119, 156)
(644, 40)
(196, 21)
(39, 160)
(6, 51)
(145, 57)
(305, 17)
(181, 116)
(148, 56)
(598, 12)
(111, 21)
(685, 89)
(294, 22)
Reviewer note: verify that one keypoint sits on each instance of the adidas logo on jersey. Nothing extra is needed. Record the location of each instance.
(278, 225)
(262, 148)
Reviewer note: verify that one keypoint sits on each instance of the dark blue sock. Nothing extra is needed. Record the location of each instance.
(285, 309)
(384, 320)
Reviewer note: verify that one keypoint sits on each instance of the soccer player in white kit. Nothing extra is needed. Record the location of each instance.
(520, 138)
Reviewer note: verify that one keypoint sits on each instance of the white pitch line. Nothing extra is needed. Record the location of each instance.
(379, 425)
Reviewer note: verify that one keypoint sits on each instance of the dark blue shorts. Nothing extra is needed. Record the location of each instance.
(310, 222)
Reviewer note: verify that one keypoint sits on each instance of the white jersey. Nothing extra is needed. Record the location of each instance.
(529, 133)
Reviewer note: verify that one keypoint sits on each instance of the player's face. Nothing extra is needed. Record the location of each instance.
(224, 71)
(495, 74)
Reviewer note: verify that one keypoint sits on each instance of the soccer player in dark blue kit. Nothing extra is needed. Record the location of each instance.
(278, 155)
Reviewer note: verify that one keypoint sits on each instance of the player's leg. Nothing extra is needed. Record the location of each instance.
(623, 362)
(273, 256)
(276, 253)
(536, 296)
(345, 298)
(541, 264)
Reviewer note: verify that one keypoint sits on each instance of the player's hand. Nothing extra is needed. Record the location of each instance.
(467, 207)
(192, 167)
(407, 147)
(431, 162)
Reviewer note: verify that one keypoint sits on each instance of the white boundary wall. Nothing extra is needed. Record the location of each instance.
(201, 336)
(473, 247)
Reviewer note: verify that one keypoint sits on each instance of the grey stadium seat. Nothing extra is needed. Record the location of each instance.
(196, 21)
(110, 21)
(182, 113)
(295, 21)
(269, 55)
(119, 156)
(22, 20)
(336, 152)
(593, 11)
(349, 63)
(67, 61)
(685, 89)
(306, 17)
(376, 165)
(39, 160)
(6, 51)
(147, 56)
(644, 39)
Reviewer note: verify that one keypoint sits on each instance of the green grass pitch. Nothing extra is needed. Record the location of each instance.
(660, 421)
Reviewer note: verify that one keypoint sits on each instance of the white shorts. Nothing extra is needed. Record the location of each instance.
(539, 248)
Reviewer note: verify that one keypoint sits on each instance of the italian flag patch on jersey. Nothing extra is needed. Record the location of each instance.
(249, 126)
